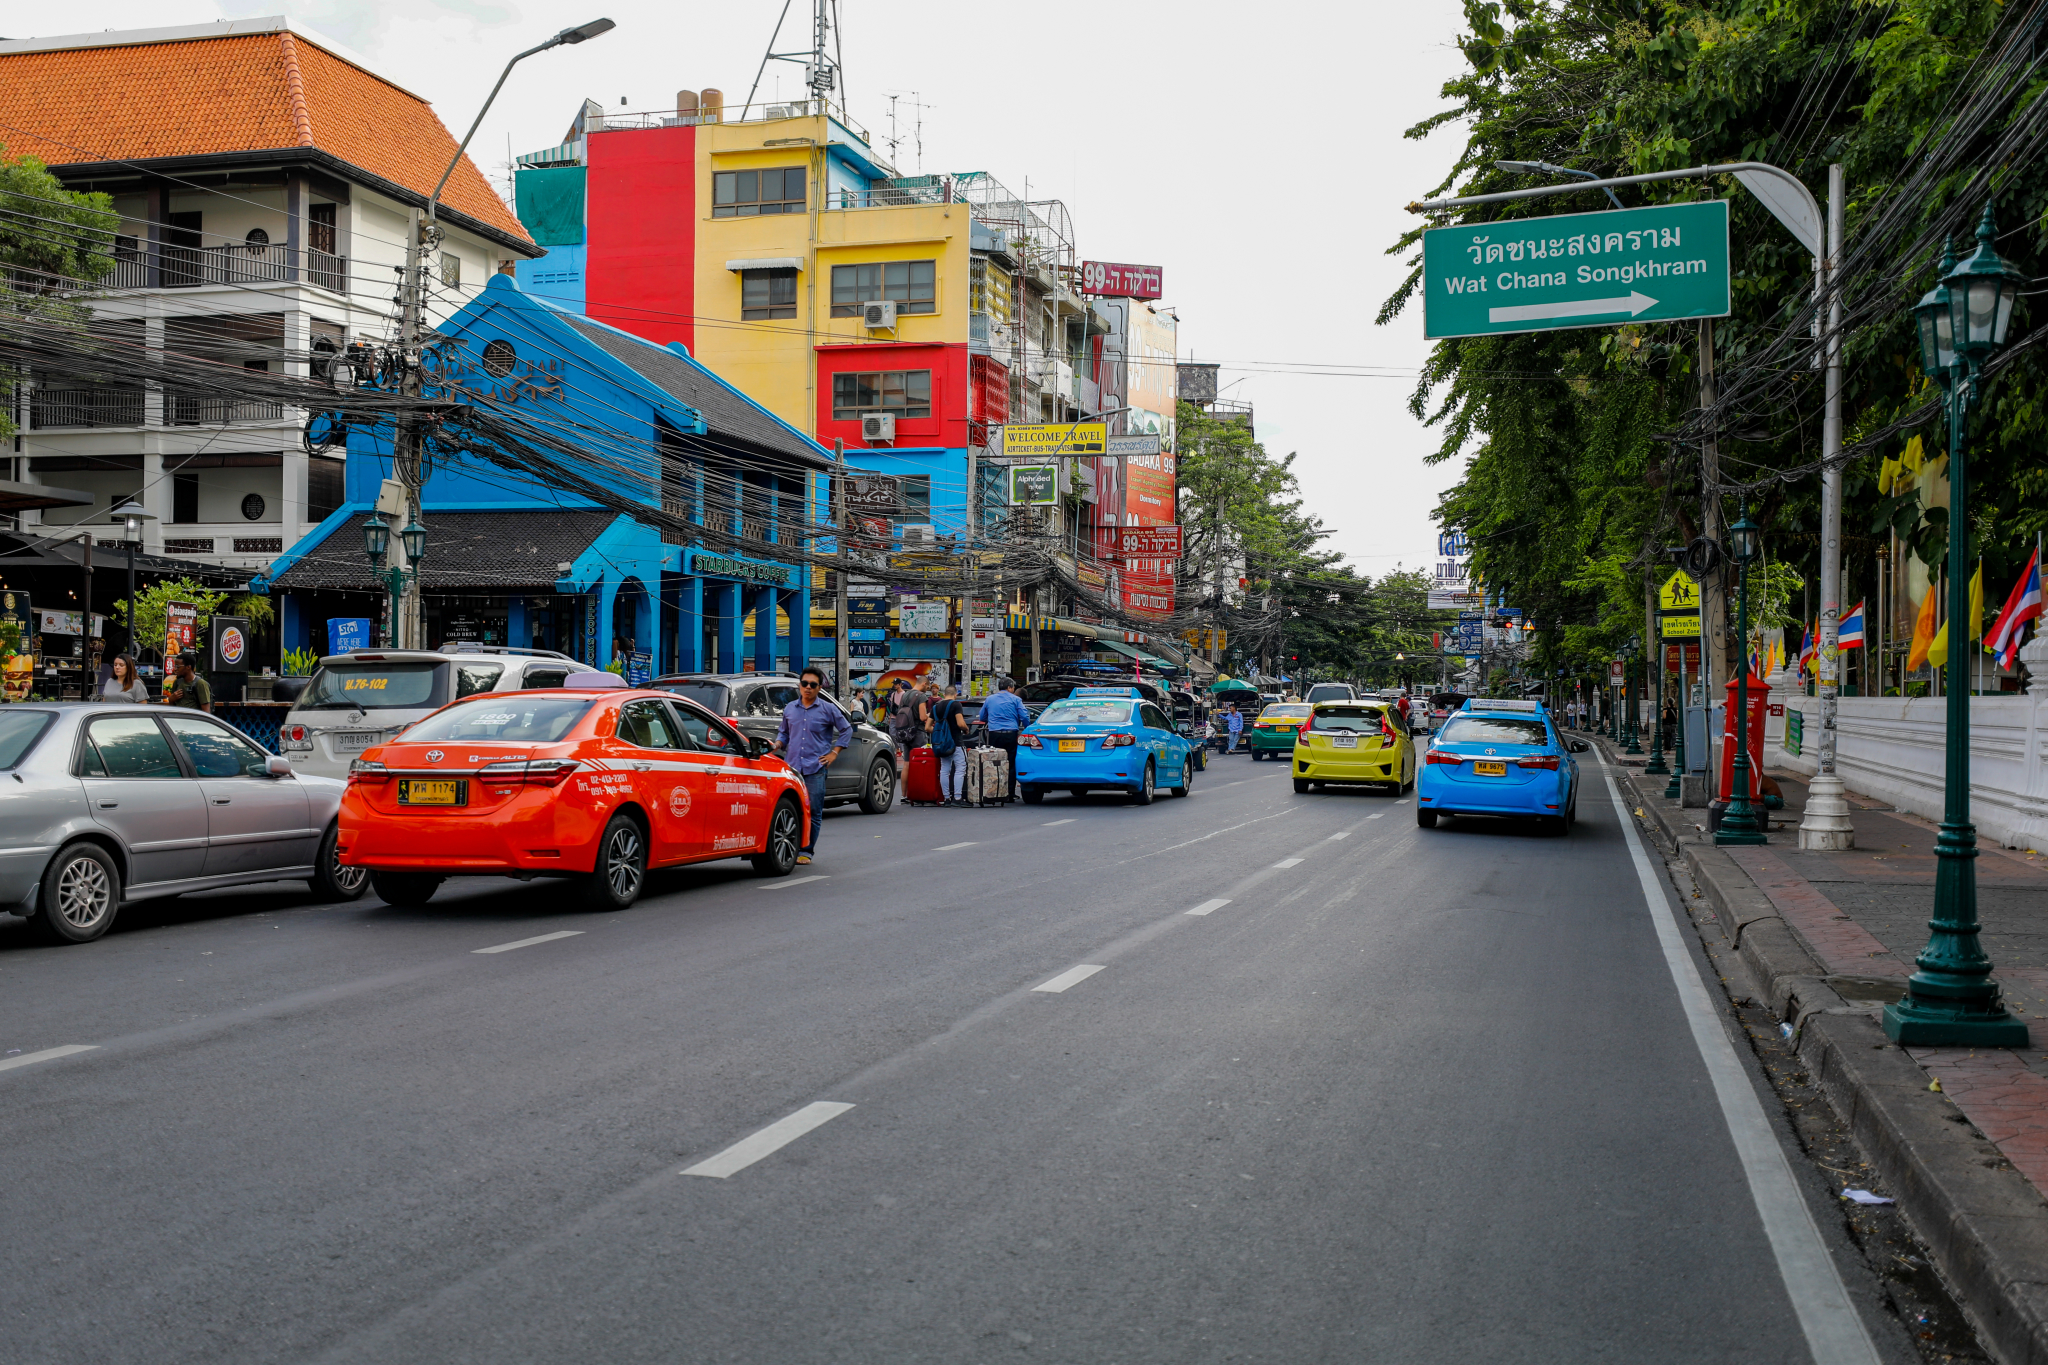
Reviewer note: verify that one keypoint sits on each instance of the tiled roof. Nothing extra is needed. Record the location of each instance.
(464, 550)
(728, 414)
(253, 92)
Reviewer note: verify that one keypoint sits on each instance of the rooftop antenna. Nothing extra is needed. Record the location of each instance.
(820, 61)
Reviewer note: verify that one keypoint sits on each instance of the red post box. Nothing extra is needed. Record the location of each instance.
(1759, 707)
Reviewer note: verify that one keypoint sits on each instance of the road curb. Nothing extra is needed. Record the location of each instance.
(1985, 1226)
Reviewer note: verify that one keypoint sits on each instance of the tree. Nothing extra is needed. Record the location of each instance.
(152, 615)
(55, 246)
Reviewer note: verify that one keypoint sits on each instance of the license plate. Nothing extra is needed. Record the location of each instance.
(1073, 746)
(437, 791)
(352, 741)
(1485, 769)
(1346, 741)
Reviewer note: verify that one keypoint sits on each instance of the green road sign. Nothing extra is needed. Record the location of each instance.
(1576, 270)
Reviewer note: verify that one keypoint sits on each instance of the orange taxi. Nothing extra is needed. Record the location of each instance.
(592, 781)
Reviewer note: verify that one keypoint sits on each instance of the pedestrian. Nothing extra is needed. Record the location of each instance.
(907, 718)
(812, 734)
(1005, 717)
(949, 742)
(1235, 721)
(1668, 720)
(122, 684)
(190, 690)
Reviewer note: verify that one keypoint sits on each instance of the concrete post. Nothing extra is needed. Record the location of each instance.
(1826, 825)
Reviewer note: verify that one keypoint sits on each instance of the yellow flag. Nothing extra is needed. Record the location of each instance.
(1910, 462)
(1923, 634)
(1977, 602)
(1885, 475)
(1937, 652)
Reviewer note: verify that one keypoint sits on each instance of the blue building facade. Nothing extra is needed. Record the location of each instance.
(514, 558)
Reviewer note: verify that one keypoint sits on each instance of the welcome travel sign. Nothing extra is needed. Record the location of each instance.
(1653, 264)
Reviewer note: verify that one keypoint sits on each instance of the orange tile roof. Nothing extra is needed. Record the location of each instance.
(253, 92)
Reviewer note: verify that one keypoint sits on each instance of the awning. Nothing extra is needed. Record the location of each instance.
(1131, 652)
(766, 263)
(20, 497)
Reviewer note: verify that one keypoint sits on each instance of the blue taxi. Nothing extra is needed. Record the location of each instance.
(1500, 757)
(1098, 737)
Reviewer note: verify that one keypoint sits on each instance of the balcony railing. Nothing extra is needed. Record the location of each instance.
(49, 408)
(189, 267)
(186, 410)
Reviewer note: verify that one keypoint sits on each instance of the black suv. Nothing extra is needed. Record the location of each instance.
(753, 702)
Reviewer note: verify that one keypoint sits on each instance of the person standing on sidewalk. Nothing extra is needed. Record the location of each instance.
(1005, 717)
(949, 742)
(187, 687)
(812, 734)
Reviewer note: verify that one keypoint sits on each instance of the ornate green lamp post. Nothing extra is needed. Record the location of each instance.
(377, 544)
(1741, 824)
(1632, 695)
(1951, 1001)
(1656, 767)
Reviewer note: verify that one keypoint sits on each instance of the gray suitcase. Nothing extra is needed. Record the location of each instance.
(987, 780)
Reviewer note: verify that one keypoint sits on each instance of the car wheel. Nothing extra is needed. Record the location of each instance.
(1033, 795)
(331, 880)
(1146, 787)
(785, 841)
(1187, 778)
(404, 888)
(1300, 785)
(81, 894)
(621, 865)
(1426, 819)
(879, 793)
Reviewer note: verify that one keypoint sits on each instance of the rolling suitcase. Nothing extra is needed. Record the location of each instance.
(921, 777)
(988, 777)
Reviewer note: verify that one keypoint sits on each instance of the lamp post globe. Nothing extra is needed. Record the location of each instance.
(415, 538)
(376, 538)
(1981, 293)
(1934, 326)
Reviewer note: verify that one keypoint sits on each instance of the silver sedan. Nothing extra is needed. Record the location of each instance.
(102, 806)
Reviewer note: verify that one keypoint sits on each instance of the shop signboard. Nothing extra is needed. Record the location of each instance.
(864, 591)
(181, 627)
(1692, 658)
(1046, 439)
(1034, 485)
(862, 620)
(1156, 542)
(867, 649)
(1110, 280)
(345, 633)
(1137, 443)
(639, 668)
(923, 618)
(746, 570)
(61, 622)
(871, 493)
(229, 644)
(869, 633)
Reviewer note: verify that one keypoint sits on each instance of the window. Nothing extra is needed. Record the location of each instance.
(906, 393)
(647, 725)
(471, 679)
(507, 720)
(743, 194)
(215, 750)
(324, 488)
(451, 270)
(1470, 729)
(703, 732)
(545, 677)
(913, 284)
(1153, 717)
(914, 496)
(128, 746)
(320, 227)
(184, 498)
(767, 294)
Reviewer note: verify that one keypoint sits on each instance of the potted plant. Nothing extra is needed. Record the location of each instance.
(298, 671)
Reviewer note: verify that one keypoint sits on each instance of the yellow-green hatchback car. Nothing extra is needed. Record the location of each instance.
(1354, 743)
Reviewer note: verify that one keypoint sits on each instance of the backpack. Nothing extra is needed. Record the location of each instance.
(943, 738)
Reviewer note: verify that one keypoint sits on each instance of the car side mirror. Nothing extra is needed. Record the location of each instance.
(758, 747)
(1580, 746)
(277, 766)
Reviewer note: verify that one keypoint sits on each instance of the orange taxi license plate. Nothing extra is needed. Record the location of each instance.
(1073, 746)
(1485, 769)
(438, 791)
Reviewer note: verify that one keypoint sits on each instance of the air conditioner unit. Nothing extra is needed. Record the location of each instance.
(878, 426)
(879, 316)
(921, 534)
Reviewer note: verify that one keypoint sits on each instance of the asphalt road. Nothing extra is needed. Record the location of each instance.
(1402, 1095)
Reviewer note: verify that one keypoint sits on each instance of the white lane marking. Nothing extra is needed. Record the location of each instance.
(1345, 833)
(1072, 976)
(1381, 816)
(1402, 802)
(788, 882)
(1834, 1332)
(948, 848)
(529, 942)
(48, 1054)
(1207, 907)
(1287, 862)
(1068, 821)
(769, 1140)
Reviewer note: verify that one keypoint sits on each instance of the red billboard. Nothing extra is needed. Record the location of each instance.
(1110, 280)
(1152, 541)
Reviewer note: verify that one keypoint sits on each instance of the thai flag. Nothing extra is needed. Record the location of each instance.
(1849, 634)
(1807, 651)
(2023, 606)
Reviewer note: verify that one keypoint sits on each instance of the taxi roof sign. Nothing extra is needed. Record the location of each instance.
(1679, 593)
(1104, 692)
(1502, 704)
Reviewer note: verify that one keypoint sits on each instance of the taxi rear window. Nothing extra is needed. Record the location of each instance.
(505, 718)
(1470, 729)
(1357, 718)
(377, 687)
(1079, 712)
(1285, 712)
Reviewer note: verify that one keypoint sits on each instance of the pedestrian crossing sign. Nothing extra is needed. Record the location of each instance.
(1679, 593)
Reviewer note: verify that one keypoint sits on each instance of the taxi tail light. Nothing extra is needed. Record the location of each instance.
(536, 772)
(1031, 741)
(1438, 756)
(1119, 741)
(361, 772)
(1537, 761)
(296, 733)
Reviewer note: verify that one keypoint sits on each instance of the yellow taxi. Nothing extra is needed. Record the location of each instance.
(1272, 734)
(1354, 743)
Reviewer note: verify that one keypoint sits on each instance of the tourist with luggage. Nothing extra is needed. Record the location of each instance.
(949, 743)
(909, 720)
(1005, 717)
(812, 734)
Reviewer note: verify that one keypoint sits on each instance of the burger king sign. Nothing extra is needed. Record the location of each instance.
(231, 645)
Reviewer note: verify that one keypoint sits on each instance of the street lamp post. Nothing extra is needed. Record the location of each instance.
(131, 515)
(398, 578)
(1656, 766)
(1632, 695)
(1740, 824)
(1951, 1000)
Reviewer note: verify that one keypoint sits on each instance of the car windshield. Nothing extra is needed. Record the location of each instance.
(19, 730)
(1286, 711)
(709, 695)
(1469, 729)
(507, 718)
(1087, 712)
(1039, 693)
(1329, 692)
(1357, 719)
(415, 686)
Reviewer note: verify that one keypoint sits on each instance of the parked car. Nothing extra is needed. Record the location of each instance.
(110, 805)
(1039, 695)
(596, 782)
(1331, 691)
(360, 699)
(1104, 737)
(753, 702)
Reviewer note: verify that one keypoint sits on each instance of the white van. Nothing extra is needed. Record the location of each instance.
(366, 697)
(1331, 691)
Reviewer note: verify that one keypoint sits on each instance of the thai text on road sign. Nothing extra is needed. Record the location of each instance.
(1576, 270)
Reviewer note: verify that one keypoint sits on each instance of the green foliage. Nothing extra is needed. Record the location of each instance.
(55, 245)
(152, 614)
(298, 663)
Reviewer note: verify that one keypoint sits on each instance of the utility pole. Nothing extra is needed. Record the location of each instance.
(1713, 598)
(1826, 824)
(408, 446)
(842, 659)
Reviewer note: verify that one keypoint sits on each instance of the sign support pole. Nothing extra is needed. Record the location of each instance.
(1826, 825)
(842, 658)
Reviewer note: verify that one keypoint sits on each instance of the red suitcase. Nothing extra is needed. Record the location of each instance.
(921, 782)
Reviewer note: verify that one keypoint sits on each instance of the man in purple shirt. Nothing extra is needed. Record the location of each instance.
(812, 733)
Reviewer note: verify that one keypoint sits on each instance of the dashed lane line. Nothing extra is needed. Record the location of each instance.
(1208, 907)
(788, 882)
(1289, 862)
(1068, 821)
(1381, 816)
(1072, 976)
(48, 1054)
(948, 848)
(529, 942)
(769, 1140)
(1345, 833)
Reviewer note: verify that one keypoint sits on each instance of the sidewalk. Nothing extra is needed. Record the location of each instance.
(1830, 939)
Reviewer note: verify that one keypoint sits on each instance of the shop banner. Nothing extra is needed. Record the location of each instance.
(923, 618)
(1150, 541)
(345, 633)
(639, 668)
(181, 628)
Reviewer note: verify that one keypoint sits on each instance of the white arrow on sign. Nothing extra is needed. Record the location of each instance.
(1578, 308)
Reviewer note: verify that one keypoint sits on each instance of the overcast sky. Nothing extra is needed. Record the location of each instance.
(1253, 152)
